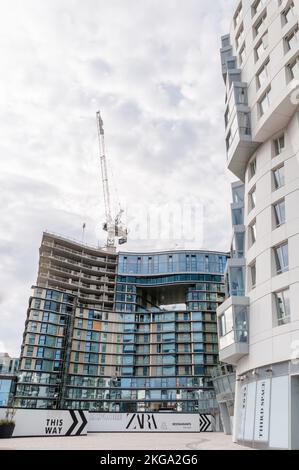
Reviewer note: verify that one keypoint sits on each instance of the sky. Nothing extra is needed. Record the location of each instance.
(153, 69)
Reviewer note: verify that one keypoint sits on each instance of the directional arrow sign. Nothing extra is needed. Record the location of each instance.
(82, 428)
(205, 423)
(79, 419)
(73, 425)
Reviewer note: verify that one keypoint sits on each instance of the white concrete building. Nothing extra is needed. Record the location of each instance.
(260, 60)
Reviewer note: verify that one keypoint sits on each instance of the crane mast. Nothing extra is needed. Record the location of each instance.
(113, 226)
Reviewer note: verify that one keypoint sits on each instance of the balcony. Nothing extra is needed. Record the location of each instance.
(77, 248)
(69, 262)
(226, 54)
(239, 152)
(235, 277)
(239, 143)
(233, 329)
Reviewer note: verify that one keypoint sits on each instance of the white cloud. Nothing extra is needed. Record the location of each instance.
(154, 70)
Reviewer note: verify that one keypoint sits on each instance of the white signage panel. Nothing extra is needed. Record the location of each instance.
(31, 422)
(149, 422)
(262, 411)
(279, 423)
(241, 412)
(250, 412)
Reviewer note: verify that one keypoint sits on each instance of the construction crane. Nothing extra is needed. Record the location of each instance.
(116, 231)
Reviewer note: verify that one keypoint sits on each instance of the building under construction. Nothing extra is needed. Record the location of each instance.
(110, 331)
(121, 332)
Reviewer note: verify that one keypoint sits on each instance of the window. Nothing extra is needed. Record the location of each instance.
(226, 328)
(237, 16)
(293, 69)
(168, 360)
(252, 169)
(238, 194)
(240, 36)
(30, 350)
(279, 213)
(279, 145)
(52, 294)
(264, 103)
(27, 364)
(236, 283)
(282, 305)
(261, 47)
(226, 322)
(244, 123)
(31, 339)
(240, 95)
(96, 315)
(33, 326)
(241, 324)
(40, 352)
(252, 275)
(232, 132)
(281, 255)
(227, 116)
(252, 199)
(242, 54)
(258, 26)
(198, 359)
(67, 298)
(257, 6)
(288, 14)
(168, 370)
(291, 39)
(278, 177)
(262, 74)
(229, 140)
(197, 327)
(252, 234)
(46, 316)
(168, 326)
(231, 63)
(238, 245)
(225, 41)
(38, 364)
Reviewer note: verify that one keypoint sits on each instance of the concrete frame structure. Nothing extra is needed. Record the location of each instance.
(260, 60)
(100, 334)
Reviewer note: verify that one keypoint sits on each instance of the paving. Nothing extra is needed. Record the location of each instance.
(125, 441)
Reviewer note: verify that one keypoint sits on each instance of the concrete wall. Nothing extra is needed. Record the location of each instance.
(270, 343)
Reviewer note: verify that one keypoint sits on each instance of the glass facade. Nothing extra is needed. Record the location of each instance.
(233, 315)
(155, 349)
(5, 387)
(8, 368)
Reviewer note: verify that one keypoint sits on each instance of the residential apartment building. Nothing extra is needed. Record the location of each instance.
(121, 332)
(260, 68)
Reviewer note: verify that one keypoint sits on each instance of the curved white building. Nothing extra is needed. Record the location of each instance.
(260, 60)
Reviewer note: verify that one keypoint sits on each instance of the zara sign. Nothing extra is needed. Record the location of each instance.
(150, 422)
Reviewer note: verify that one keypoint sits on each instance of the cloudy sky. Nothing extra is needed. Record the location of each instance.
(153, 68)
